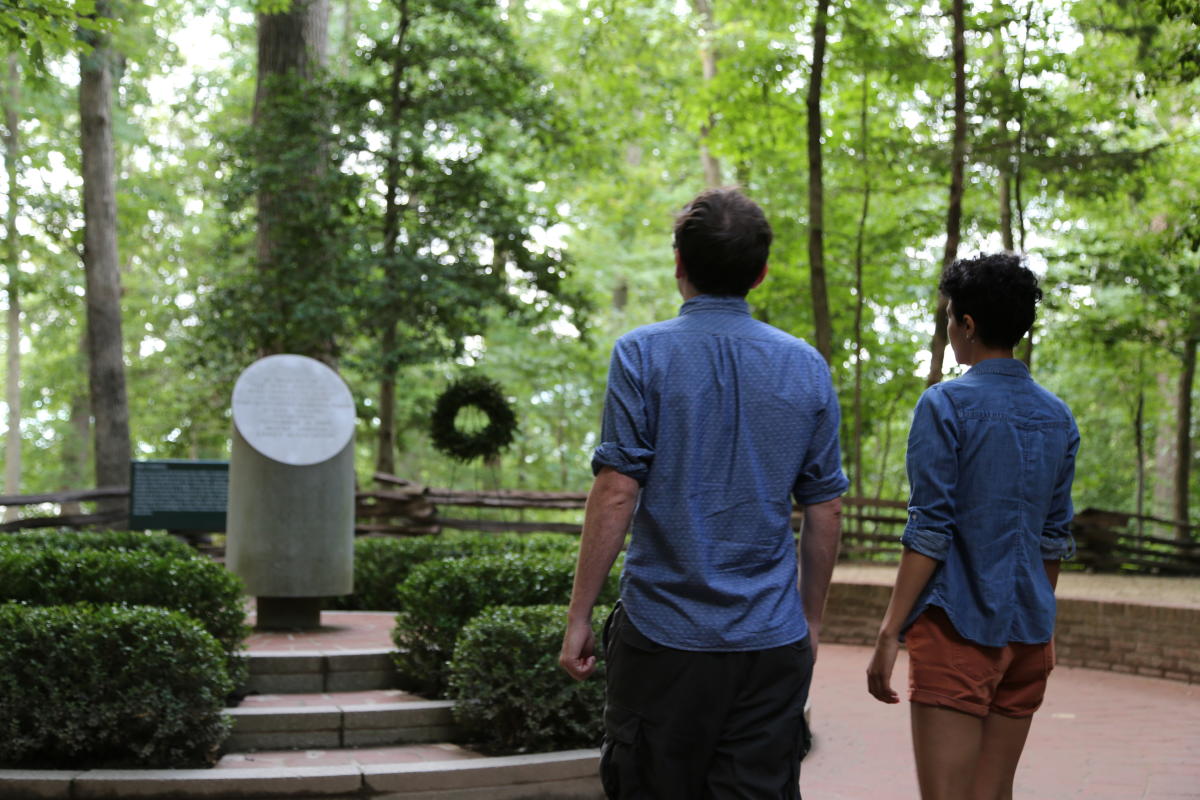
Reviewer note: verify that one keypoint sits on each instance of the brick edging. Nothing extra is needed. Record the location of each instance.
(1155, 641)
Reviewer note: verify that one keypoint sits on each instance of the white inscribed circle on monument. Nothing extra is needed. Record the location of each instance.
(293, 409)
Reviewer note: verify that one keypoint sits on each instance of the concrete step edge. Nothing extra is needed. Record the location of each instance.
(341, 726)
(304, 660)
(563, 774)
(320, 671)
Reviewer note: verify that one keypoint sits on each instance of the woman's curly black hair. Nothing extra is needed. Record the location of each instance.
(998, 291)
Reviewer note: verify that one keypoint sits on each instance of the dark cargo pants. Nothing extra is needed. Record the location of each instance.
(699, 725)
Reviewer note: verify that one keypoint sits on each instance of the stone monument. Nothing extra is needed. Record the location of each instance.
(290, 521)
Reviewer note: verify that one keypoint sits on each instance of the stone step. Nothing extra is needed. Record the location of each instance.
(277, 672)
(418, 772)
(338, 720)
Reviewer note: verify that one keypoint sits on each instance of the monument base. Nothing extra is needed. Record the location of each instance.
(288, 613)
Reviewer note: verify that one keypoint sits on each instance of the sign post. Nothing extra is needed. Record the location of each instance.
(291, 489)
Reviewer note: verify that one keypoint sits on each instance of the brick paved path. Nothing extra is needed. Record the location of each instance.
(1099, 735)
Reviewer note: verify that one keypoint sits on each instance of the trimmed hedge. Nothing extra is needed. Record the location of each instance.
(162, 544)
(382, 564)
(439, 597)
(200, 588)
(510, 694)
(84, 686)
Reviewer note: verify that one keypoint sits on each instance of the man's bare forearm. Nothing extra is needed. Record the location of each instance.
(606, 519)
(819, 540)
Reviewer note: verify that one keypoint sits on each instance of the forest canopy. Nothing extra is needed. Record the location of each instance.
(418, 190)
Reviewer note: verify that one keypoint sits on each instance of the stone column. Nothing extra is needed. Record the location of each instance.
(290, 529)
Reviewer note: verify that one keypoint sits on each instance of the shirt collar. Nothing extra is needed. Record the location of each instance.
(714, 302)
(1001, 366)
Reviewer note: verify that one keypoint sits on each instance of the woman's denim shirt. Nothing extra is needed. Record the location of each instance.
(991, 457)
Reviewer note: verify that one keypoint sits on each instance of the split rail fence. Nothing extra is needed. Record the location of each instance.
(1108, 541)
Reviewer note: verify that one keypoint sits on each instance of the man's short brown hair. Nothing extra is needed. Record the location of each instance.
(723, 239)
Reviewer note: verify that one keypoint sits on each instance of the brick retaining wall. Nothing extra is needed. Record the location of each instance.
(1156, 641)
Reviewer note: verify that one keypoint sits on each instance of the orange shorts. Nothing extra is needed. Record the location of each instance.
(944, 669)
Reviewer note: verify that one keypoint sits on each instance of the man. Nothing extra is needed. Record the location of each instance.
(713, 421)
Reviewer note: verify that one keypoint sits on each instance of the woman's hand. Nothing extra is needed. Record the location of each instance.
(879, 672)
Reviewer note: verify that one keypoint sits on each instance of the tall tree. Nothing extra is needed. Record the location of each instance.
(12, 376)
(1183, 434)
(292, 51)
(859, 298)
(957, 166)
(708, 62)
(460, 110)
(106, 364)
(823, 326)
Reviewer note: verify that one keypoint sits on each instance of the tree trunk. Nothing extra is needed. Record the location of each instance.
(12, 375)
(385, 451)
(77, 457)
(1183, 439)
(292, 43)
(1139, 446)
(348, 36)
(1005, 187)
(1018, 157)
(1166, 454)
(1026, 346)
(385, 447)
(954, 213)
(708, 60)
(823, 327)
(887, 446)
(1006, 221)
(859, 300)
(106, 364)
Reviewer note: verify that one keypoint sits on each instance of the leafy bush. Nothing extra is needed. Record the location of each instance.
(200, 588)
(439, 597)
(510, 694)
(382, 564)
(84, 686)
(162, 544)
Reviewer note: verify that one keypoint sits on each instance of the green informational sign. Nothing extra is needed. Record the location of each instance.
(178, 495)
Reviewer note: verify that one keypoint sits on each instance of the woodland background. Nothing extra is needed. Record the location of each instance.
(415, 189)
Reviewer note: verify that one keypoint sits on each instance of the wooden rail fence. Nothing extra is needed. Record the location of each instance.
(1108, 541)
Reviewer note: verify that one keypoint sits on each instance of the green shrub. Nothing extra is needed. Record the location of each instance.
(84, 686)
(199, 587)
(440, 597)
(510, 694)
(162, 544)
(382, 564)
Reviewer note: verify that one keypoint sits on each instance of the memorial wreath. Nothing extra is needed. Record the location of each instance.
(485, 395)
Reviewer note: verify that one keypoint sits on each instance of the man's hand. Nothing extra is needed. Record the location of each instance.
(578, 656)
(879, 673)
(606, 518)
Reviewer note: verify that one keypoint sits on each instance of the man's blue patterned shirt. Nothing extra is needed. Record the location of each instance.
(722, 420)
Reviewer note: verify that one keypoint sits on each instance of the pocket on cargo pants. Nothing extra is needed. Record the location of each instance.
(618, 754)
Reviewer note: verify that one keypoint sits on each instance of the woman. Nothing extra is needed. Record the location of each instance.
(991, 457)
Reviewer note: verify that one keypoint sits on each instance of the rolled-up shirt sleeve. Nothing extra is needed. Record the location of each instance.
(625, 441)
(1057, 542)
(932, 464)
(821, 477)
